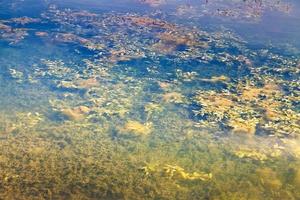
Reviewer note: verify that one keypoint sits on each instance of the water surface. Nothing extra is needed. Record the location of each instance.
(150, 99)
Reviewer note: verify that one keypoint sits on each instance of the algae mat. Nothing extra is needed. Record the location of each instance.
(149, 99)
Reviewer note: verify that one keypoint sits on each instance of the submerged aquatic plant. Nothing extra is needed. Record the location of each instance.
(106, 92)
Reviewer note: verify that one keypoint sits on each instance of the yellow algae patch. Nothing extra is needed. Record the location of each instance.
(149, 169)
(76, 113)
(173, 40)
(37, 150)
(173, 97)
(174, 171)
(152, 107)
(196, 176)
(216, 105)
(271, 88)
(271, 108)
(271, 114)
(243, 126)
(252, 154)
(252, 93)
(145, 21)
(219, 101)
(250, 107)
(4, 159)
(294, 146)
(79, 84)
(137, 128)
(285, 122)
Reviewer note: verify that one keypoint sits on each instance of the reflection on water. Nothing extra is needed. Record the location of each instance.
(150, 99)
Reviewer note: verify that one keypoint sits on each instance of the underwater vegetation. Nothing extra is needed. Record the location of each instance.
(248, 10)
(133, 105)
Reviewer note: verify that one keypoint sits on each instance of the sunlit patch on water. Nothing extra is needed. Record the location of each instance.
(149, 103)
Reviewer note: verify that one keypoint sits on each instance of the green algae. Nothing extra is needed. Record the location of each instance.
(107, 135)
(63, 160)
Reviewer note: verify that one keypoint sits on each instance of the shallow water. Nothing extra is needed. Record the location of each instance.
(149, 99)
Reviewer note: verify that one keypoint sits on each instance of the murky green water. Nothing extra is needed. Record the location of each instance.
(149, 99)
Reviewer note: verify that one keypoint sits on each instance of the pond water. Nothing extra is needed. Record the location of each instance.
(150, 99)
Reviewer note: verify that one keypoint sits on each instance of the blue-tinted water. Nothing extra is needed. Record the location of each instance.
(149, 99)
